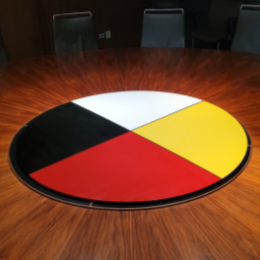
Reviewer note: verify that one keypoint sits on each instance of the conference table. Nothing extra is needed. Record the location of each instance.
(224, 224)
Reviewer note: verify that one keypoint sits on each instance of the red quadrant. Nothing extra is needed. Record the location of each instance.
(127, 168)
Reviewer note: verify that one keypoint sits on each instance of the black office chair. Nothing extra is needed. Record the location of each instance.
(221, 19)
(247, 36)
(163, 28)
(3, 56)
(74, 32)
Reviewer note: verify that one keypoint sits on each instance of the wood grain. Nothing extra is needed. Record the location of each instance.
(222, 225)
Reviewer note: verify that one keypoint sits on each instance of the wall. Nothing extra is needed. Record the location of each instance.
(123, 18)
(26, 25)
(20, 28)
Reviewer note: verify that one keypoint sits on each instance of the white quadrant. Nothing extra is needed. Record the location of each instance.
(132, 109)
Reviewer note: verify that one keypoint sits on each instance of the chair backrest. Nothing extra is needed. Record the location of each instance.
(247, 36)
(74, 32)
(221, 10)
(163, 28)
(3, 56)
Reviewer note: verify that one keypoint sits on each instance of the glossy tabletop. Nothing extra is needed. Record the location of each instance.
(222, 225)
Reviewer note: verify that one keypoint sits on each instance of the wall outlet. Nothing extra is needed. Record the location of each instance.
(108, 34)
(101, 36)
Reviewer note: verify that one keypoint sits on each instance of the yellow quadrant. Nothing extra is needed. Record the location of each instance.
(203, 134)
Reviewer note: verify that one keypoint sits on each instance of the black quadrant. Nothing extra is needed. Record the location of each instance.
(59, 133)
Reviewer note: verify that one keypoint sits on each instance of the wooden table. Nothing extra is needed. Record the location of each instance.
(222, 225)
